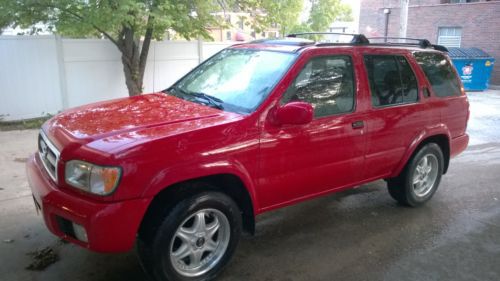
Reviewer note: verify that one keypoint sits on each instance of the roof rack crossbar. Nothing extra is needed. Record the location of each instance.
(356, 38)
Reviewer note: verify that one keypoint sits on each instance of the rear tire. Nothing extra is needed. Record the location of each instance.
(194, 241)
(420, 178)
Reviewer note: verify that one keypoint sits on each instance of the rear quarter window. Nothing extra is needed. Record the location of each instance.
(440, 73)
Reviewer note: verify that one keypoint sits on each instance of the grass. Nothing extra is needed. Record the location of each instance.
(34, 123)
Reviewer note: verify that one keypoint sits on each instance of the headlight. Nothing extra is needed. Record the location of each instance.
(92, 178)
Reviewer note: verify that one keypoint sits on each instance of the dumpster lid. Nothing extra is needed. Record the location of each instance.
(467, 53)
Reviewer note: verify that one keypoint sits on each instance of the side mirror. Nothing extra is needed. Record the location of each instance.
(293, 113)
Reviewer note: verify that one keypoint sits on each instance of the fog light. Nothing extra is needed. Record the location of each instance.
(80, 232)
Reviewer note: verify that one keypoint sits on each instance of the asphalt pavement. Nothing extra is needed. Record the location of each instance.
(360, 234)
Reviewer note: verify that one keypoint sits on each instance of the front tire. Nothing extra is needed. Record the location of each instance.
(195, 240)
(420, 179)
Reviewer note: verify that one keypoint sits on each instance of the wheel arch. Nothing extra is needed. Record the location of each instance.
(227, 183)
(442, 139)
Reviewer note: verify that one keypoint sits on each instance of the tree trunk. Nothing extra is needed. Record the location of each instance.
(134, 58)
(134, 85)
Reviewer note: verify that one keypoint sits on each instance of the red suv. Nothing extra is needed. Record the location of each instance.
(256, 127)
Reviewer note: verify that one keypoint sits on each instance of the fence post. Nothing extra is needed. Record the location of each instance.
(200, 50)
(62, 72)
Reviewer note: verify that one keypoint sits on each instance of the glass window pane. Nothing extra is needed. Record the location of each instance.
(440, 74)
(325, 82)
(450, 36)
(409, 86)
(392, 80)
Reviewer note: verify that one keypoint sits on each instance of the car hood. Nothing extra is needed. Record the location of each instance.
(117, 117)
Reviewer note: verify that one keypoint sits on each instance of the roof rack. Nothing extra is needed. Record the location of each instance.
(360, 39)
(357, 39)
(422, 43)
(285, 41)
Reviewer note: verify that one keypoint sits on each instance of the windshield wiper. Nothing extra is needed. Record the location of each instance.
(212, 101)
(208, 100)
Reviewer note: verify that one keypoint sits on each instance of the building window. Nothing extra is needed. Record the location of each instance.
(450, 36)
(457, 1)
(228, 19)
(228, 35)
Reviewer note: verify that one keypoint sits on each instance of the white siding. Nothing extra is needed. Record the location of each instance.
(44, 74)
(29, 77)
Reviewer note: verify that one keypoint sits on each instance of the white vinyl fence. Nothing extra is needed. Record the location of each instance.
(42, 75)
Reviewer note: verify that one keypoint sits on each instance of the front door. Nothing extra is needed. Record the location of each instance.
(300, 161)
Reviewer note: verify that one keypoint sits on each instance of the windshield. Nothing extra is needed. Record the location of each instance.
(236, 80)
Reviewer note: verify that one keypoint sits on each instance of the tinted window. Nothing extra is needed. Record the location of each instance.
(392, 80)
(325, 82)
(440, 74)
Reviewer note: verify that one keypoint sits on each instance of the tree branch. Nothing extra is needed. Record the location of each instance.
(81, 18)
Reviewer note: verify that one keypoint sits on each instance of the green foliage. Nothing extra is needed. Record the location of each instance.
(324, 12)
(285, 13)
(299, 28)
(82, 18)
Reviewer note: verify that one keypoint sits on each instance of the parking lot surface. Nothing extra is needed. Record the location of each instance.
(360, 234)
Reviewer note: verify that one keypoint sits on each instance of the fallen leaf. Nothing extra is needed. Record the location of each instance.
(20, 160)
(42, 259)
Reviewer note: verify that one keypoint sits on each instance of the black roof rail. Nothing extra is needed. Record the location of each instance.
(356, 38)
(284, 41)
(422, 43)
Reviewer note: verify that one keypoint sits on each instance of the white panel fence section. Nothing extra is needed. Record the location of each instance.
(42, 75)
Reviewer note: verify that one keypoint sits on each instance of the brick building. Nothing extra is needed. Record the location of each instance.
(453, 23)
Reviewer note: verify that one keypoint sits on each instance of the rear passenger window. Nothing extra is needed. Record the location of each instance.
(326, 82)
(440, 73)
(392, 80)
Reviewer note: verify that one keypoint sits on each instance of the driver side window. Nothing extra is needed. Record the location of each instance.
(326, 82)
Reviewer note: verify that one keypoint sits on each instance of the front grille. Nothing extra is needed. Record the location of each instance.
(49, 155)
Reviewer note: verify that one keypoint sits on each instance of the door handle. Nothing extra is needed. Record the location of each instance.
(358, 124)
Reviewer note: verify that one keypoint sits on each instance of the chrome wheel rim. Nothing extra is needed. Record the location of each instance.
(200, 242)
(425, 175)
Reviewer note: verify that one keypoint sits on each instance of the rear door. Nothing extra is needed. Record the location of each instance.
(397, 113)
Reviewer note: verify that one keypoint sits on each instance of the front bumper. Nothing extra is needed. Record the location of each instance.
(110, 227)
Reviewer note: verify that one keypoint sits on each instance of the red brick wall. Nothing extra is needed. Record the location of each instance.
(480, 23)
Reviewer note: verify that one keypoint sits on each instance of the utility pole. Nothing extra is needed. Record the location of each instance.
(403, 17)
(387, 12)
